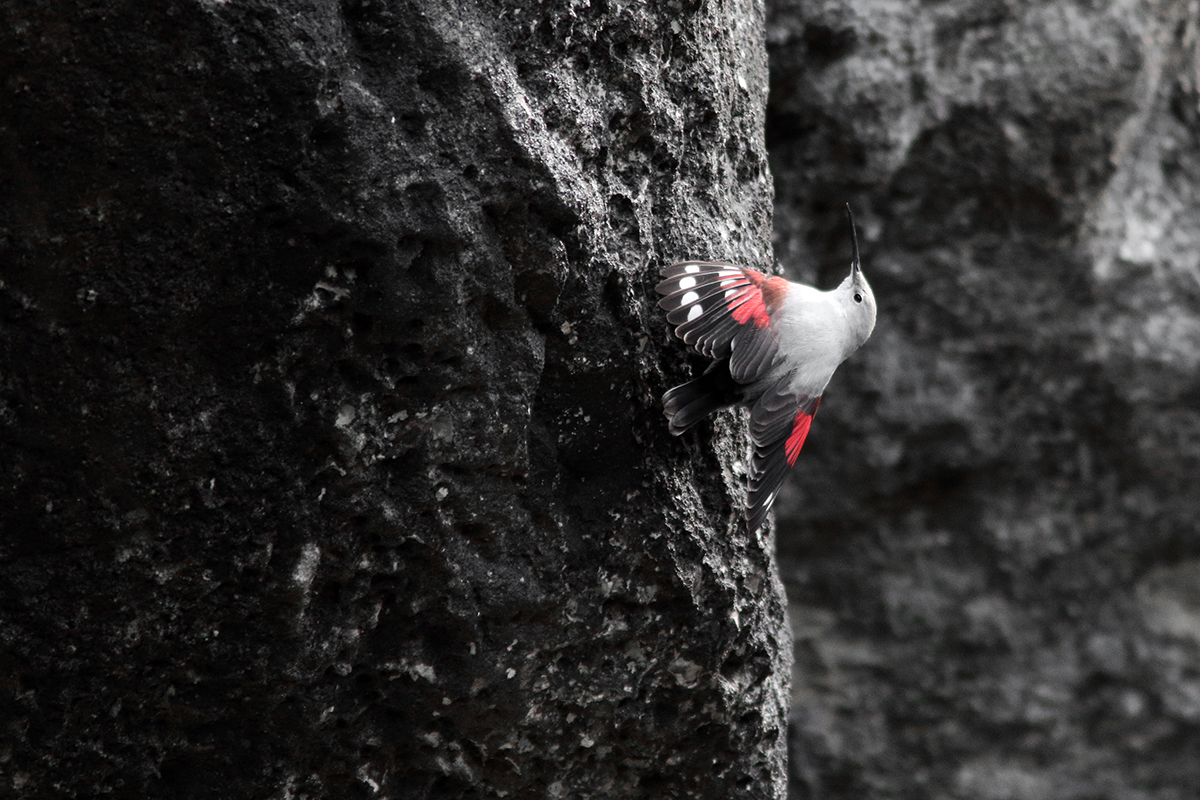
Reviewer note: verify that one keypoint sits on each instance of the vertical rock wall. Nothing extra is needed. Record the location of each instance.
(331, 463)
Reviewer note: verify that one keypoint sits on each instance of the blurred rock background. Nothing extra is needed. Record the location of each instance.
(990, 545)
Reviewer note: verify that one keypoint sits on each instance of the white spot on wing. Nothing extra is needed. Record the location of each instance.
(730, 292)
(694, 312)
(693, 268)
(690, 297)
(687, 283)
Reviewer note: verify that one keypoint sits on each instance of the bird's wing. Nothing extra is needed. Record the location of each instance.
(779, 423)
(725, 310)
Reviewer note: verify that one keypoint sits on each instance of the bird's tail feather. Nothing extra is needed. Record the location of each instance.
(688, 403)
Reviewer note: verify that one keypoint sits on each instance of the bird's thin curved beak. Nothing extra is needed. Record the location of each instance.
(855, 264)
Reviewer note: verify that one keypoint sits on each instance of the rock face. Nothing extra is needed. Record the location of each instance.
(990, 544)
(332, 458)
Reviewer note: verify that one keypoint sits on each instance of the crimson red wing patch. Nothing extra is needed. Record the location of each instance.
(754, 303)
(800, 426)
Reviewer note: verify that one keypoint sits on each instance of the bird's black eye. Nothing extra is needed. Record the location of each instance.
(857, 297)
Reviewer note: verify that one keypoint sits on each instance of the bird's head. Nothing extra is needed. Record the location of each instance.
(856, 296)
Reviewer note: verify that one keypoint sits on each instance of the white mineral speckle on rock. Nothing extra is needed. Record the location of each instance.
(306, 567)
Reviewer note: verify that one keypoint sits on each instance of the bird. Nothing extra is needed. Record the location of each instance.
(774, 345)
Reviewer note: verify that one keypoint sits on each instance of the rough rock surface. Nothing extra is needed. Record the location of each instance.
(991, 544)
(332, 463)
